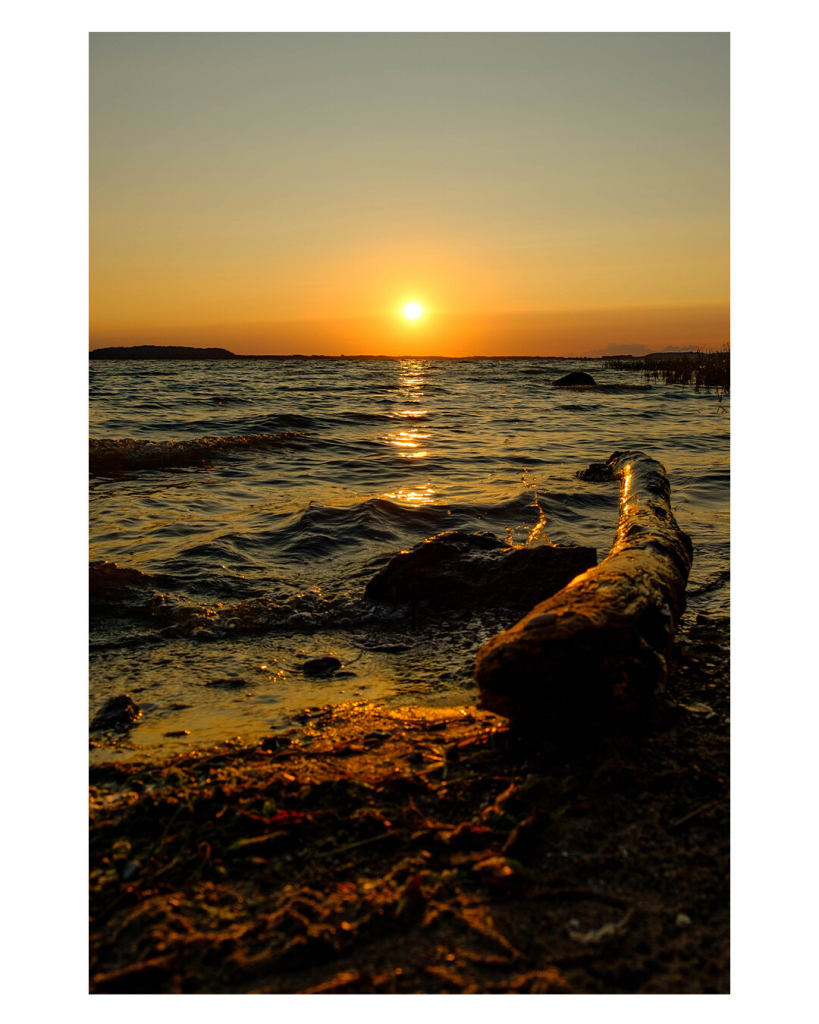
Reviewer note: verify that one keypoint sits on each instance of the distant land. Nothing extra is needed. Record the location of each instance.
(161, 352)
(668, 354)
(190, 352)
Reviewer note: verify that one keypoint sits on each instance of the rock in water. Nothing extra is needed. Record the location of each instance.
(321, 666)
(112, 585)
(461, 570)
(117, 713)
(573, 380)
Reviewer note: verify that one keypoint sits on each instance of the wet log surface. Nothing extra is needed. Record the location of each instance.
(598, 650)
(430, 851)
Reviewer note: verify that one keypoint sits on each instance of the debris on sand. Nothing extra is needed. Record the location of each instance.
(424, 851)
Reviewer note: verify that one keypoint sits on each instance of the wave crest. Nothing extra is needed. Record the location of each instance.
(109, 454)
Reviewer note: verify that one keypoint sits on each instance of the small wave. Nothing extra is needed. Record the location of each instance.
(303, 612)
(717, 581)
(224, 400)
(125, 640)
(611, 389)
(167, 615)
(348, 416)
(326, 532)
(109, 454)
(410, 414)
(276, 422)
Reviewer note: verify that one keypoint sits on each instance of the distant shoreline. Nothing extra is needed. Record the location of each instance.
(185, 352)
(176, 352)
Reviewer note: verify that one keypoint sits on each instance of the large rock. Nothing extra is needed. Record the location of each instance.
(461, 570)
(574, 380)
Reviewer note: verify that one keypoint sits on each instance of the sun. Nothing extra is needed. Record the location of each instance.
(413, 310)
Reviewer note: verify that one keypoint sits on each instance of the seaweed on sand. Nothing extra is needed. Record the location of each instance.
(377, 851)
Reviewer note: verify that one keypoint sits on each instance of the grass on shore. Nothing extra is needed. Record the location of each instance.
(701, 370)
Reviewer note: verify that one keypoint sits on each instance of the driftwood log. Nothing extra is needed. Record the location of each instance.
(598, 649)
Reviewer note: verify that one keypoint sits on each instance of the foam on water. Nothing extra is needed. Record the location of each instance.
(121, 454)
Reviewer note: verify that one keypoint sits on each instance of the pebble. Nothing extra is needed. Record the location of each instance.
(275, 742)
(682, 920)
(130, 869)
(377, 734)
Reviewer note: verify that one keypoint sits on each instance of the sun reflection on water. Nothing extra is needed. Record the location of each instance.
(412, 376)
(404, 439)
(423, 495)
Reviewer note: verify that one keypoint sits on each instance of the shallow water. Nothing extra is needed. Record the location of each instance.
(265, 542)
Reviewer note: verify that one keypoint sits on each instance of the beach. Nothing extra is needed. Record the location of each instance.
(375, 850)
(301, 792)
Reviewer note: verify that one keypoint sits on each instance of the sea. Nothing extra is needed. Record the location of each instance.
(260, 497)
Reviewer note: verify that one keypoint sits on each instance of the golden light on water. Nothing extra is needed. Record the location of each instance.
(408, 439)
(413, 310)
(423, 495)
(412, 377)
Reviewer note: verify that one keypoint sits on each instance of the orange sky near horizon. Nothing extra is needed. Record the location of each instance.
(563, 333)
(537, 194)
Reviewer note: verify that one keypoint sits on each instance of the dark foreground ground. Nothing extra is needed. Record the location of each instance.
(377, 851)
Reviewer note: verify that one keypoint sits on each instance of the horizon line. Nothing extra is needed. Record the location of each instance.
(345, 355)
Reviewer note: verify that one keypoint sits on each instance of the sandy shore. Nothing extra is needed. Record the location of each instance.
(378, 851)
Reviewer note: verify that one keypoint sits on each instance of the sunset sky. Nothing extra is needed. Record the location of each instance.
(535, 194)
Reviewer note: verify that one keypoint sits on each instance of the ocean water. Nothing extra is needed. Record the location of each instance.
(260, 543)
